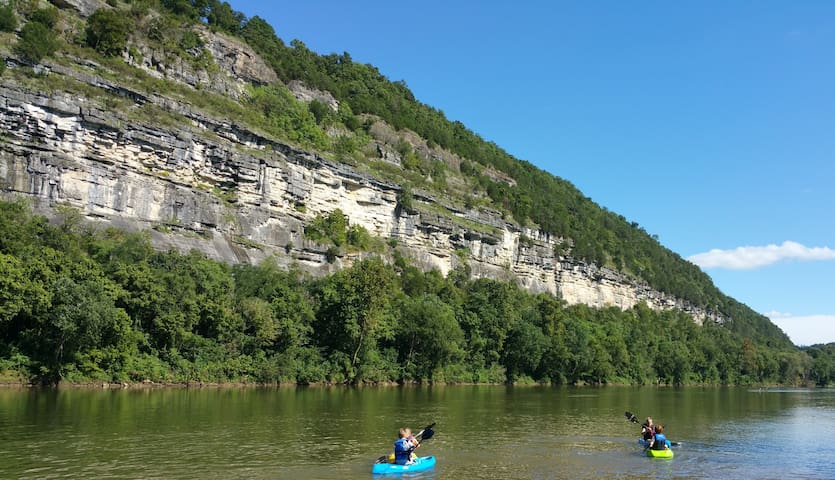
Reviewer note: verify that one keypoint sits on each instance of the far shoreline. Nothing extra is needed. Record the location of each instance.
(149, 385)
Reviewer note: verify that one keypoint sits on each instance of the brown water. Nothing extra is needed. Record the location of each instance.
(482, 432)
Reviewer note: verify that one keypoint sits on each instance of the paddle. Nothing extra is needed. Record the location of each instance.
(425, 434)
(632, 418)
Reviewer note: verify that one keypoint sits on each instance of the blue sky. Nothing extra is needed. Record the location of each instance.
(711, 124)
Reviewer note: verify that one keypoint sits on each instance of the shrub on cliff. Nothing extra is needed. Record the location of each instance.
(332, 228)
(107, 32)
(8, 21)
(47, 16)
(36, 41)
(405, 200)
(285, 116)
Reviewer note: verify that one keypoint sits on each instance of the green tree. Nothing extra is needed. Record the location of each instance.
(221, 15)
(415, 282)
(286, 117)
(81, 317)
(193, 9)
(320, 111)
(823, 364)
(601, 362)
(14, 287)
(673, 362)
(36, 42)
(357, 236)
(333, 228)
(578, 361)
(294, 316)
(492, 306)
(47, 16)
(107, 32)
(405, 200)
(8, 20)
(525, 347)
(261, 324)
(353, 313)
(428, 335)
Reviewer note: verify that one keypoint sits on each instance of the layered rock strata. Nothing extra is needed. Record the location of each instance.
(239, 196)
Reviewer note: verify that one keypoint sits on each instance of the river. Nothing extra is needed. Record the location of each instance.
(482, 432)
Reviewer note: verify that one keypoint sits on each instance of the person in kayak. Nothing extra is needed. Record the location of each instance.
(648, 429)
(404, 446)
(659, 440)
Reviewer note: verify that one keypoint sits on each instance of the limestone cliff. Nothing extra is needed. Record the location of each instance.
(239, 196)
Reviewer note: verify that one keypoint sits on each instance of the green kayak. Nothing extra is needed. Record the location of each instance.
(666, 453)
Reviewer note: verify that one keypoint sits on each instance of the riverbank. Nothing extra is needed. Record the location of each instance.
(233, 385)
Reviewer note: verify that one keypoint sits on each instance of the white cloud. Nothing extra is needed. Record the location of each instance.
(805, 330)
(746, 258)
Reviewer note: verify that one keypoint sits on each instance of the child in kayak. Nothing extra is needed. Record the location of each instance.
(659, 441)
(404, 446)
(648, 429)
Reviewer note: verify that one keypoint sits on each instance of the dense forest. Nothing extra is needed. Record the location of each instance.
(84, 305)
(77, 304)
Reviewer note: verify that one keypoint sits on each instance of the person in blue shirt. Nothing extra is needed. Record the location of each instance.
(404, 446)
(659, 441)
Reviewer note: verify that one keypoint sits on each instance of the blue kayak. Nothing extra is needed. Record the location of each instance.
(419, 464)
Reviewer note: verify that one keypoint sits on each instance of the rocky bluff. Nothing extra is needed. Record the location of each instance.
(238, 196)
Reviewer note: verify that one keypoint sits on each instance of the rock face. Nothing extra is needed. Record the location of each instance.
(236, 59)
(238, 196)
(306, 94)
(85, 8)
(237, 64)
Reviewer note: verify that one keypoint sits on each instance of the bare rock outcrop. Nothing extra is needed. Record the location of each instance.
(85, 8)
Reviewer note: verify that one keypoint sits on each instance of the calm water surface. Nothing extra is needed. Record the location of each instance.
(482, 432)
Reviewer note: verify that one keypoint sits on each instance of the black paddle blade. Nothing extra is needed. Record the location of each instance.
(631, 417)
(426, 433)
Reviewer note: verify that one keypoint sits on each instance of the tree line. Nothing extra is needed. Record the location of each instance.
(79, 304)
